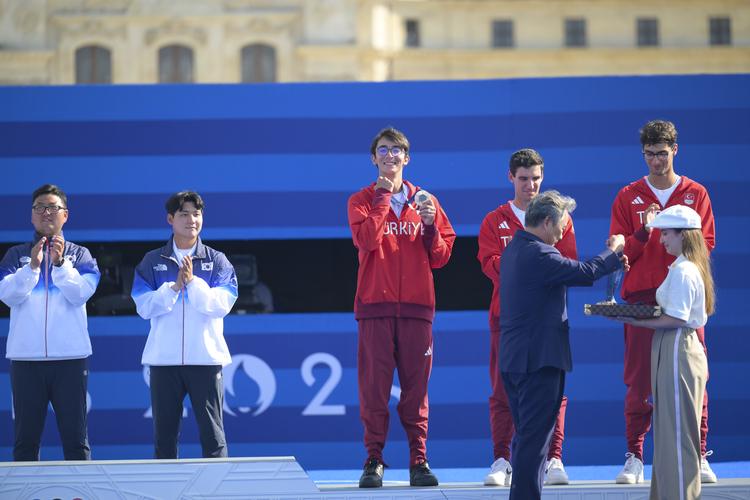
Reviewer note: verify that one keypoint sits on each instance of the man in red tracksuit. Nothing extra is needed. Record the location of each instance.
(399, 243)
(649, 262)
(526, 174)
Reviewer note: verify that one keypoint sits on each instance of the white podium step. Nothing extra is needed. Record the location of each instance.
(199, 479)
(273, 478)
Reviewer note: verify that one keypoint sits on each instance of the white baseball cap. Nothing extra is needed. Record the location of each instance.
(677, 217)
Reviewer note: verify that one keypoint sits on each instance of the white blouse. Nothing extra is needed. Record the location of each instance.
(682, 294)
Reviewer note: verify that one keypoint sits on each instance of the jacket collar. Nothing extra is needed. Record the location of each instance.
(520, 233)
(412, 188)
(38, 237)
(168, 249)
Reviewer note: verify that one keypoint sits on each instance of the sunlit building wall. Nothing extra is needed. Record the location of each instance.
(230, 41)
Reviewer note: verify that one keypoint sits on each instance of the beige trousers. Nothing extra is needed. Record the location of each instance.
(678, 381)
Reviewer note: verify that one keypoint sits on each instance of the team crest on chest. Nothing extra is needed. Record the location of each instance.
(689, 198)
(207, 266)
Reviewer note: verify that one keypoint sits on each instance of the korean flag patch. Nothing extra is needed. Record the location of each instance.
(207, 266)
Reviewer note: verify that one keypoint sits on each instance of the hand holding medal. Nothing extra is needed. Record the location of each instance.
(427, 209)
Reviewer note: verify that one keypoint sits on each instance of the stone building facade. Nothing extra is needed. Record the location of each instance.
(228, 41)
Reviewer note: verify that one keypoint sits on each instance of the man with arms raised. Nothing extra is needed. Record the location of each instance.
(46, 283)
(399, 243)
(660, 189)
(535, 343)
(526, 174)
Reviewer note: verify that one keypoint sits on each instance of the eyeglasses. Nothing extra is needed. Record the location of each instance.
(663, 155)
(53, 209)
(395, 150)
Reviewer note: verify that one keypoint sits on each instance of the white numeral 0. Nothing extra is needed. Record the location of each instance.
(316, 406)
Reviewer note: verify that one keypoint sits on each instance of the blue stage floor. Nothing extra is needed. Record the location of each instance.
(724, 470)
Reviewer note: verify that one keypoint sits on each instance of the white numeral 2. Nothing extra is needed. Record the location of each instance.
(317, 406)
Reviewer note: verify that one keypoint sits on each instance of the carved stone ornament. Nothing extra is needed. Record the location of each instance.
(94, 29)
(175, 28)
(26, 19)
(247, 4)
(265, 25)
(107, 5)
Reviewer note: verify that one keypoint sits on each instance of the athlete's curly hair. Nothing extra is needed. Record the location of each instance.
(659, 132)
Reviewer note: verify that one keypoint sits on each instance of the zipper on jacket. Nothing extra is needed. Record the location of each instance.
(46, 299)
(183, 325)
(182, 292)
(398, 242)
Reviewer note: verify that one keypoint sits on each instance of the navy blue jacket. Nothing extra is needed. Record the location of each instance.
(534, 280)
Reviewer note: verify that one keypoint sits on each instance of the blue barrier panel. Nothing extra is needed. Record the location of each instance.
(292, 390)
(274, 147)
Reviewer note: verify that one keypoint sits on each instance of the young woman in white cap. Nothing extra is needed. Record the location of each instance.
(678, 362)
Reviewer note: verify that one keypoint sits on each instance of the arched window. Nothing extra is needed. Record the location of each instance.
(258, 63)
(175, 64)
(93, 65)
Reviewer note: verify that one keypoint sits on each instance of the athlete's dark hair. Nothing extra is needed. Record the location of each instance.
(50, 189)
(176, 201)
(659, 132)
(392, 135)
(525, 158)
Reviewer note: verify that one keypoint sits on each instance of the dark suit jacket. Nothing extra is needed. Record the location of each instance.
(533, 315)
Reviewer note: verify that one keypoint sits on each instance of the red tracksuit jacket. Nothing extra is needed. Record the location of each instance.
(396, 255)
(648, 260)
(497, 229)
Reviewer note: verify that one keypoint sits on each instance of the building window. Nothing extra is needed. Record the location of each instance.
(412, 33)
(648, 32)
(258, 63)
(175, 64)
(575, 32)
(721, 33)
(502, 33)
(93, 65)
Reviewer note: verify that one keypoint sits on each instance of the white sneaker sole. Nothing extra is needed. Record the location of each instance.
(490, 480)
(556, 481)
(629, 480)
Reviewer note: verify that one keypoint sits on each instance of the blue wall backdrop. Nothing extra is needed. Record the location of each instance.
(279, 162)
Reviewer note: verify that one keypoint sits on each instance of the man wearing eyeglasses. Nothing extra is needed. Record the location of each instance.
(185, 289)
(400, 241)
(46, 283)
(661, 188)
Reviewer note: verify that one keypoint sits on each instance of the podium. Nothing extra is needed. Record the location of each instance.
(199, 479)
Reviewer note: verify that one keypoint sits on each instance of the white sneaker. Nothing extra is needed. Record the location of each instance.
(707, 475)
(632, 473)
(555, 472)
(500, 474)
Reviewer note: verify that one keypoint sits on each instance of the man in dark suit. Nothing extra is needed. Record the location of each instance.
(535, 345)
